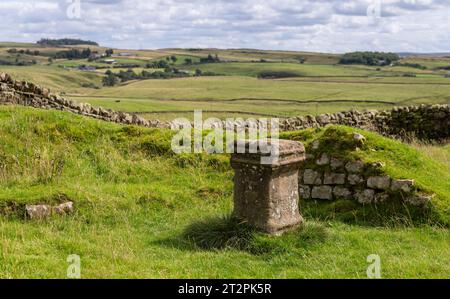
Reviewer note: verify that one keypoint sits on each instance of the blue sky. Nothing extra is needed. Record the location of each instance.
(320, 25)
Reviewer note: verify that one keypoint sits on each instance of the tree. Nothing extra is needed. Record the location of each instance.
(110, 79)
(109, 52)
(369, 58)
(173, 58)
(210, 59)
(188, 61)
(198, 72)
(65, 41)
(161, 64)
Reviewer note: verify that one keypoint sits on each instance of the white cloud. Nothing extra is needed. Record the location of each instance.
(320, 25)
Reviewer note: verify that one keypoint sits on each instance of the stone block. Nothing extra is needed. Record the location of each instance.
(336, 164)
(315, 144)
(342, 193)
(64, 208)
(381, 197)
(355, 179)
(322, 192)
(379, 182)
(38, 211)
(419, 199)
(266, 194)
(402, 185)
(334, 178)
(323, 160)
(365, 196)
(354, 166)
(304, 191)
(310, 176)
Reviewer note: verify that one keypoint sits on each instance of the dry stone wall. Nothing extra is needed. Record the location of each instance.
(424, 121)
(29, 94)
(325, 177)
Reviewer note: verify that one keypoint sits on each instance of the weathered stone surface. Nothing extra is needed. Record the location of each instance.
(334, 178)
(64, 208)
(365, 196)
(315, 144)
(322, 192)
(318, 181)
(402, 185)
(360, 139)
(342, 193)
(377, 165)
(419, 199)
(355, 179)
(354, 166)
(266, 194)
(38, 211)
(336, 164)
(304, 191)
(381, 197)
(379, 182)
(323, 160)
(310, 176)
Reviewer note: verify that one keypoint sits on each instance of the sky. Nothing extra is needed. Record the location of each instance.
(333, 26)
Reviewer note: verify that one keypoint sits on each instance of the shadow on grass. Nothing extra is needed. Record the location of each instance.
(228, 233)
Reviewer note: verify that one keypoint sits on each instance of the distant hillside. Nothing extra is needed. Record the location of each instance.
(65, 42)
(412, 54)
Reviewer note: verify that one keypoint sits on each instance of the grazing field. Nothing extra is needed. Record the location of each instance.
(303, 70)
(316, 83)
(245, 55)
(265, 97)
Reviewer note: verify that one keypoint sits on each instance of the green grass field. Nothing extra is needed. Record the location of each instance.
(321, 85)
(131, 217)
(266, 97)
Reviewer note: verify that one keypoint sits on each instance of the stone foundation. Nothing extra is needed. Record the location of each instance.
(325, 177)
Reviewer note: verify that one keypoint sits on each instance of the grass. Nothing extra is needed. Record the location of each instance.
(142, 212)
(305, 70)
(55, 78)
(245, 55)
(276, 97)
(429, 62)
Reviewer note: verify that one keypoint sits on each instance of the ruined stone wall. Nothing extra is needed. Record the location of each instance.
(29, 94)
(325, 177)
(424, 121)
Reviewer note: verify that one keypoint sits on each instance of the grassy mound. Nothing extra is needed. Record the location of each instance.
(141, 211)
(399, 161)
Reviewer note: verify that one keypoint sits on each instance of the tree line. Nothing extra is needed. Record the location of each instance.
(369, 58)
(65, 42)
(112, 78)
